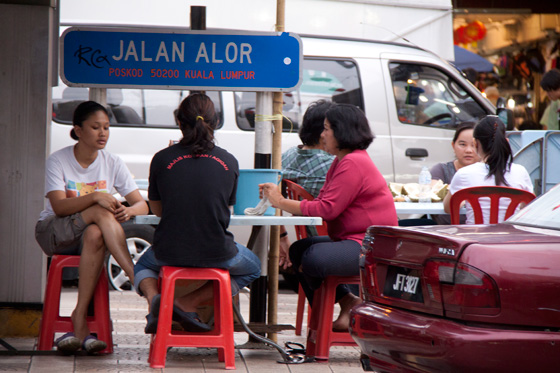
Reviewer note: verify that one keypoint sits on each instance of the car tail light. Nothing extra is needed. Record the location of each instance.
(461, 288)
(367, 277)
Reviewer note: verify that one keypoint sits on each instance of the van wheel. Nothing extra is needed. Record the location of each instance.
(139, 238)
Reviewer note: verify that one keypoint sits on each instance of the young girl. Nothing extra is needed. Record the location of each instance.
(465, 154)
(496, 167)
(82, 217)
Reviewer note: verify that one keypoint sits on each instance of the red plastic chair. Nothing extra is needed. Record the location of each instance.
(51, 321)
(296, 192)
(221, 337)
(320, 336)
(495, 193)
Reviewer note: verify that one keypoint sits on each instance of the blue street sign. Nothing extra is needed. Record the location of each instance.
(179, 59)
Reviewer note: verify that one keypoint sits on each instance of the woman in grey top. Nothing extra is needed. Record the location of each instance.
(465, 154)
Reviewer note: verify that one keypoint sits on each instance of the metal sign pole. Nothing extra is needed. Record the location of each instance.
(98, 95)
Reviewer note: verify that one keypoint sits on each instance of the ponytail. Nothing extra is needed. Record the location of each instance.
(491, 134)
(197, 119)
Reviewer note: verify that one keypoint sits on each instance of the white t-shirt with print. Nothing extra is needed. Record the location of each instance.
(476, 175)
(64, 173)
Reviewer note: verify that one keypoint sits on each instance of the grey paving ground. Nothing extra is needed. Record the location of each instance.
(132, 345)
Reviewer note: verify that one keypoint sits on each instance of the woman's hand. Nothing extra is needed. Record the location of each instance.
(447, 202)
(107, 201)
(121, 214)
(271, 191)
(283, 254)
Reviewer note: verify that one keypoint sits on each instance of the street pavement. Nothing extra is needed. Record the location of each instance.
(128, 312)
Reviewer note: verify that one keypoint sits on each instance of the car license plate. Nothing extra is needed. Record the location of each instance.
(403, 283)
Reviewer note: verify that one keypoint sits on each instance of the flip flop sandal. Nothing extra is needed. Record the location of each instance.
(93, 345)
(152, 317)
(190, 321)
(68, 343)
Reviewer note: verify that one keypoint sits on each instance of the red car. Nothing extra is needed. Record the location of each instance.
(457, 298)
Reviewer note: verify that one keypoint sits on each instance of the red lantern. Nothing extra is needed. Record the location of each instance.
(475, 31)
(482, 31)
(459, 35)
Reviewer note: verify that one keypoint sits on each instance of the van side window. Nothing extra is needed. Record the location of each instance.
(336, 80)
(427, 96)
(129, 107)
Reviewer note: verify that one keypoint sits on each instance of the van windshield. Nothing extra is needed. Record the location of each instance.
(427, 96)
(335, 80)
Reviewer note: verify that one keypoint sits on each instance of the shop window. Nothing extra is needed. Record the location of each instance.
(335, 80)
(426, 96)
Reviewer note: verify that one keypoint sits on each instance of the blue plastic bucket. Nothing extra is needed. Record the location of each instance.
(248, 188)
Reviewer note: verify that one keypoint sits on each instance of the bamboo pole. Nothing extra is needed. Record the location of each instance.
(277, 104)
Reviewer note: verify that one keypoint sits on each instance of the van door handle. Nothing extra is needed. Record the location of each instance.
(416, 153)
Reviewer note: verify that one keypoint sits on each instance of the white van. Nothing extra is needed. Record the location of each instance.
(413, 100)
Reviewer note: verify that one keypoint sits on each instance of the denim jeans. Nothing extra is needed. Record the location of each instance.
(243, 268)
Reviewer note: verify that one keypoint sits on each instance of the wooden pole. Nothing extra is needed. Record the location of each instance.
(277, 103)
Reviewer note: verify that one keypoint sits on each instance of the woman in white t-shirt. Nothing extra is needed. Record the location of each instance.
(496, 167)
(82, 217)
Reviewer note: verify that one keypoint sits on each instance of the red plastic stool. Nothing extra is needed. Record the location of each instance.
(320, 336)
(51, 322)
(300, 310)
(221, 337)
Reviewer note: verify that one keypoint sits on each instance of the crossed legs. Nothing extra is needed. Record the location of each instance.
(103, 232)
(91, 262)
(113, 236)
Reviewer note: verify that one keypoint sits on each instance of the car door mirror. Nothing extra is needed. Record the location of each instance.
(506, 115)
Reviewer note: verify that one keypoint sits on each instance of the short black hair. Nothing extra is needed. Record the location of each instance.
(350, 127)
(529, 124)
(462, 127)
(551, 80)
(313, 122)
(471, 74)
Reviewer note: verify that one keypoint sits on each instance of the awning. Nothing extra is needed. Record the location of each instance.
(465, 59)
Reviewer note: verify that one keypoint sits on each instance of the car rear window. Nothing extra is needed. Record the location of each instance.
(544, 212)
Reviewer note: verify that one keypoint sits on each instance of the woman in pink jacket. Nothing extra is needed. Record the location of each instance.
(354, 197)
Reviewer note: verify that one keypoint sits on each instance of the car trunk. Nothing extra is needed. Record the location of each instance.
(470, 273)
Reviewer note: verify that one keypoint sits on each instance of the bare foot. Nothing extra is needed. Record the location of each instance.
(190, 302)
(346, 304)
